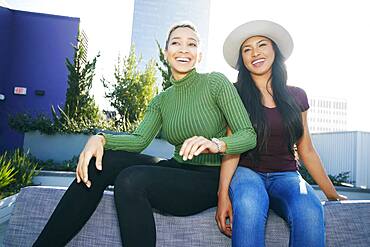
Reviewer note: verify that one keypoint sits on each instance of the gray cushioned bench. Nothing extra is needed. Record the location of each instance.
(347, 224)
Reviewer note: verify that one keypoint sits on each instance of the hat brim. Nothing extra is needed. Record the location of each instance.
(268, 29)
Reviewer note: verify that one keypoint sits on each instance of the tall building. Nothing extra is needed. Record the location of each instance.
(152, 20)
(327, 115)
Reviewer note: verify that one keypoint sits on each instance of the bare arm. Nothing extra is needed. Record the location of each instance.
(311, 160)
(228, 167)
(224, 207)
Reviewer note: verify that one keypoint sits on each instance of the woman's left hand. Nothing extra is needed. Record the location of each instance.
(338, 197)
(197, 145)
(224, 212)
(342, 197)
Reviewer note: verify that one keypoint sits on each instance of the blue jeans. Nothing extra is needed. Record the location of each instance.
(287, 193)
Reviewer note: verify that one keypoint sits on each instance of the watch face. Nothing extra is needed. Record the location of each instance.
(217, 142)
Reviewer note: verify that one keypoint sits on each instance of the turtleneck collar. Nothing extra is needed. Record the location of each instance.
(186, 81)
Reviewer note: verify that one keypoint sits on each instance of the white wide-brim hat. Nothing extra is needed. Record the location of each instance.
(268, 29)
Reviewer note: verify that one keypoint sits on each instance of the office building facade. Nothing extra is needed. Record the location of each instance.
(327, 115)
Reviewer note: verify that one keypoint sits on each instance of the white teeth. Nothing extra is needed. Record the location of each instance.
(182, 59)
(258, 61)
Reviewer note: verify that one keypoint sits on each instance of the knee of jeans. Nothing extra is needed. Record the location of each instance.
(309, 213)
(130, 181)
(249, 204)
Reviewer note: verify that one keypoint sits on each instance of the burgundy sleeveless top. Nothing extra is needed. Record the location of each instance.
(276, 157)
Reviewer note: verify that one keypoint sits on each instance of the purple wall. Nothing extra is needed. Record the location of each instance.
(5, 40)
(5, 18)
(38, 45)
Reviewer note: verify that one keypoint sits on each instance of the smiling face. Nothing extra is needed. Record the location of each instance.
(182, 51)
(258, 55)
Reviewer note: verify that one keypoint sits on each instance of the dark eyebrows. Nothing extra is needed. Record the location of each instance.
(262, 40)
(188, 39)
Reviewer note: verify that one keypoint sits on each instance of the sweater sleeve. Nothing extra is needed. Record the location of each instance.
(143, 135)
(243, 136)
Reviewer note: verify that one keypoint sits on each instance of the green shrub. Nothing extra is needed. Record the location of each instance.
(62, 123)
(80, 106)
(67, 124)
(50, 165)
(341, 179)
(131, 90)
(16, 171)
(7, 173)
(23, 122)
(164, 67)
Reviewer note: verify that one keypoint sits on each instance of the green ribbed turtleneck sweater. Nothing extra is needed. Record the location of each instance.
(196, 105)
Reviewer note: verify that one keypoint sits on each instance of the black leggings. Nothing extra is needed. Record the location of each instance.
(141, 182)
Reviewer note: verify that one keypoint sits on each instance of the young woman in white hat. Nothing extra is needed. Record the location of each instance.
(192, 114)
(267, 176)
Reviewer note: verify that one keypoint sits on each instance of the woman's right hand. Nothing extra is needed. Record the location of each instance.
(224, 212)
(93, 148)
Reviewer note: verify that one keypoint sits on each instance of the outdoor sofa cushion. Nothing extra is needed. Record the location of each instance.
(347, 224)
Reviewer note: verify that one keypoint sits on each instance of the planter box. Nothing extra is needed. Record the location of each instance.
(57, 179)
(61, 147)
(58, 147)
(160, 148)
(54, 178)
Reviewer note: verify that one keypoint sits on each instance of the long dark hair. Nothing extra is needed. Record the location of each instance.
(285, 103)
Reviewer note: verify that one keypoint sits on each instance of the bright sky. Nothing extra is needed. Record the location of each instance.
(330, 57)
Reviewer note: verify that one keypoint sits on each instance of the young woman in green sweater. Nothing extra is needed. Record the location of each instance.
(193, 115)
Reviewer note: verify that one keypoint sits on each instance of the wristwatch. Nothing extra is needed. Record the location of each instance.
(218, 144)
